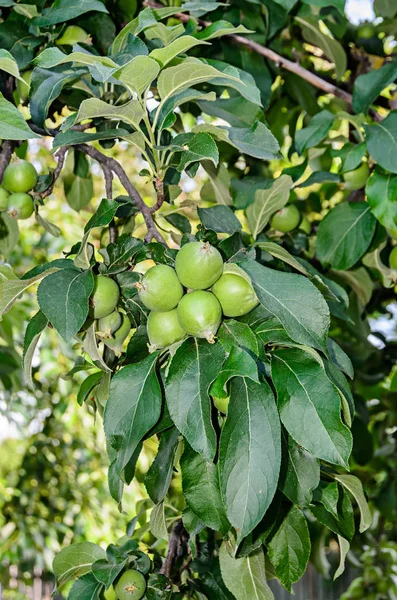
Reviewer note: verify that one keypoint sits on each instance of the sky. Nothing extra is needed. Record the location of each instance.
(360, 10)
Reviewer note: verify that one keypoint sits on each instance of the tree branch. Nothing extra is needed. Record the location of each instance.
(288, 65)
(160, 195)
(7, 148)
(61, 155)
(178, 537)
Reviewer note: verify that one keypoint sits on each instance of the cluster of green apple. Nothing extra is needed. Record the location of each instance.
(288, 218)
(378, 579)
(191, 299)
(19, 178)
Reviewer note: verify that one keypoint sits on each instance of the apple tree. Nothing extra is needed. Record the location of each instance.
(238, 349)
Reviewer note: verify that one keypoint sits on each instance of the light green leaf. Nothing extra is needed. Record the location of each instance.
(158, 524)
(219, 29)
(9, 233)
(78, 191)
(12, 123)
(216, 189)
(345, 234)
(385, 8)
(9, 64)
(381, 192)
(373, 260)
(351, 156)
(309, 406)
(193, 368)
(26, 10)
(282, 254)
(251, 431)
(315, 132)
(344, 547)
(63, 298)
(146, 18)
(91, 348)
(133, 408)
(35, 327)
(138, 74)
(267, 202)
(354, 486)
(75, 560)
(10, 289)
(289, 548)
(332, 49)
(200, 487)
(200, 147)
(300, 307)
(179, 46)
(382, 142)
(245, 577)
(93, 108)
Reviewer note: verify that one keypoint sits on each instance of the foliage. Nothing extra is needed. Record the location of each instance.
(266, 483)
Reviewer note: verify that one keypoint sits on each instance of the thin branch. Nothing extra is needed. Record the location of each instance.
(7, 148)
(178, 537)
(280, 61)
(160, 195)
(114, 166)
(61, 155)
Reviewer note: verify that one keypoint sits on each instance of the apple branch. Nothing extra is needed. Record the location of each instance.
(7, 148)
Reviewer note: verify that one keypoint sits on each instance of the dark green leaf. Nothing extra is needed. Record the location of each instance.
(133, 407)
(367, 87)
(381, 192)
(302, 474)
(200, 487)
(382, 142)
(234, 333)
(289, 548)
(65, 10)
(63, 298)
(158, 477)
(180, 222)
(251, 431)
(309, 405)
(219, 218)
(106, 572)
(344, 524)
(315, 132)
(245, 577)
(351, 156)
(193, 368)
(300, 307)
(345, 234)
(12, 123)
(104, 214)
(85, 588)
(238, 364)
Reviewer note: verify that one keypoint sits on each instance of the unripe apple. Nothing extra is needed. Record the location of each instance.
(160, 288)
(163, 329)
(3, 198)
(131, 585)
(286, 219)
(198, 265)
(20, 206)
(104, 297)
(356, 179)
(20, 176)
(200, 314)
(235, 292)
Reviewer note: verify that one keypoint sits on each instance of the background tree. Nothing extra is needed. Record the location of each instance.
(287, 110)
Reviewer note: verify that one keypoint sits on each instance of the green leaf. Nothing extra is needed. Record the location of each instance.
(344, 548)
(35, 327)
(300, 307)
(382, 142)
(63, 298)
(78, 191)
(93, 108)
(146, 18)
(85, 588)
(26, 10)
(344, 524)
(200, 487)
(216, 189)
(189, 72)
(72, 137)
(46, 86)
(188, 95)
(245, 577)
(385, 8)
(104, 214)
(12, 123)
(338, 4)
(267, 202)
(302, 474)
(289, 548)
(88, 386)
(65, 10)
(179, 46)
(9, 233)
(193, 368)
(257, 141)
(328, 495)
(381, 192)
(238, 364)
(10, 289)
(219, 218)
(106, 572)
(75, 560)
(367, 87)
(9, 64)
(212, 583)
(251, 431)
(309, 406)
(282, 254)
(200, 147)
(158, 477)
(158, 523)
(351, 156)
(345, 234)
(315, 132)
(234, 333)
(332, 49)
(138, 74)
(354, 486)
(220, 28)
(133, 407)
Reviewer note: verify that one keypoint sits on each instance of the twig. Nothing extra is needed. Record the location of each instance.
(61, 155)
(160, 195)
(178, 537)
(7, 148)
(288, 65)
(111, 164)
